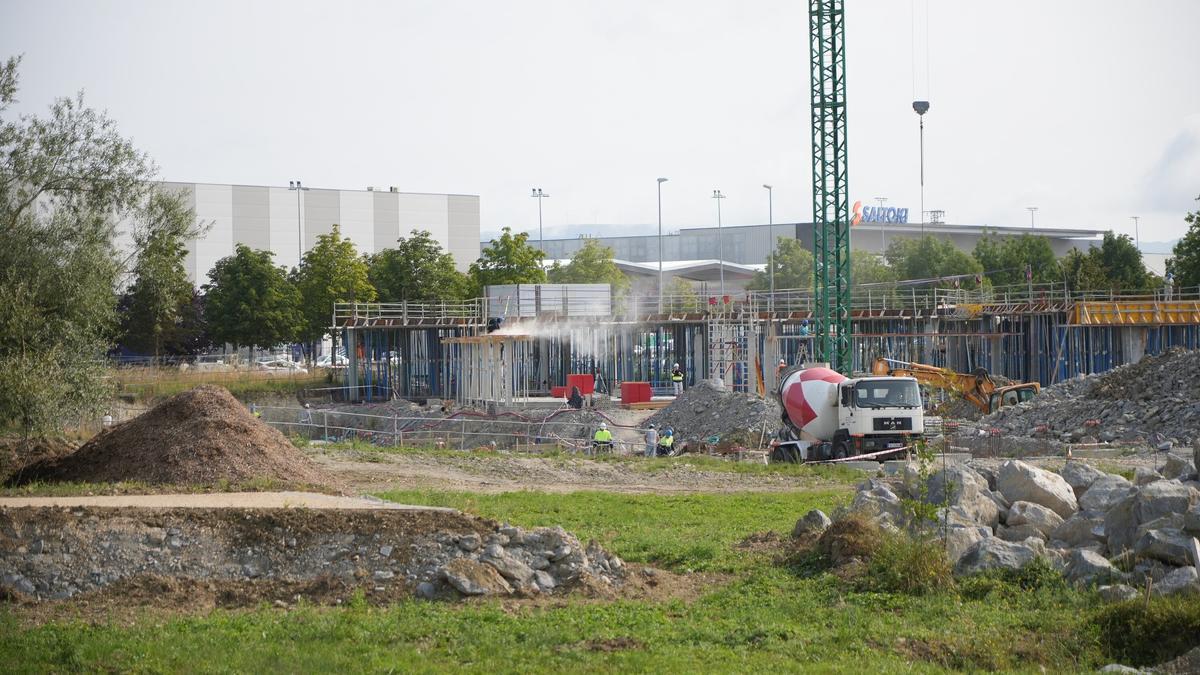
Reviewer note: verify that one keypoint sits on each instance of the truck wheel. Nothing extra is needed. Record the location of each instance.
(840, 451)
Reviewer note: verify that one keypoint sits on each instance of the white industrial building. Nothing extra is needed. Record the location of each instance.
(284, 220)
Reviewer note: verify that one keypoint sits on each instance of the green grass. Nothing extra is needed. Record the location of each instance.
(766, 618)
(168, 382)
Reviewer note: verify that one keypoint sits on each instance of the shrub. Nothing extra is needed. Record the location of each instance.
(1141, 633)
(909, 564)
(853, 536)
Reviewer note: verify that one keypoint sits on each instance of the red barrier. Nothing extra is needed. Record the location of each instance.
(586, 383)
(635, 392)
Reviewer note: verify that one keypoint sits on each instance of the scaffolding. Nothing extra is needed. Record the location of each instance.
(1044, 333)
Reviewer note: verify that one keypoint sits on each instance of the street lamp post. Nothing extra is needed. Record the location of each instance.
(720, 241)
(1032, 210)
(922, 107)
(771, 233)
(539, 195)
(660, 246)
(882, 232)
(1137, 240)
(298, 188)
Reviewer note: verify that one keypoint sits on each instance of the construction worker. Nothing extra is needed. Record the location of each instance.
(306, 415)
(602, 440)
(779, 369)
(666, 443)
(651, 440)
(677, 379)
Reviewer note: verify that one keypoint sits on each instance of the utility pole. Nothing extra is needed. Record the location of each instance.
(298, 188)
(1137, 240)
(660, 246)
(539, 195)
(882, 233)
(720, 241)
(771, 234)
(1032, 210)
(922, 107)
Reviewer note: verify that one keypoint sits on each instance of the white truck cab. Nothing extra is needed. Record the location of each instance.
(877, 413)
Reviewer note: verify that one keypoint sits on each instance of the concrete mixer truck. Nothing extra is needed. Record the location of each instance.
(827, 415)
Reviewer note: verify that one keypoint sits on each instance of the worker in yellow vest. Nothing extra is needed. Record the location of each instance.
(677, 379)
(602, 440)
(666, 443)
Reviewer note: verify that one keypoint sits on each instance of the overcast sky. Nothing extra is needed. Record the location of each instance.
(1087, 109)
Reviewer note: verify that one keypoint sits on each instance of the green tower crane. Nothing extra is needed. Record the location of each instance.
(831, 195)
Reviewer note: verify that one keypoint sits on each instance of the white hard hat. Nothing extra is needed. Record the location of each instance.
(782, 362)
(675, 366)
(603, 425)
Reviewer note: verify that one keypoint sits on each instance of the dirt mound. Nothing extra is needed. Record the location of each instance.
(708, 410)
(203, 436)
(17, 453)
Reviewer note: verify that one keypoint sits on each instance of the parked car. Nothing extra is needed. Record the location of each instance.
(329, 361)
(282, 366)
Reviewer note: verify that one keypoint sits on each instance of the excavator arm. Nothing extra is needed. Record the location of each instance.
(976, 387)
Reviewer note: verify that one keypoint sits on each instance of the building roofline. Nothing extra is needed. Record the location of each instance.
(312, 187)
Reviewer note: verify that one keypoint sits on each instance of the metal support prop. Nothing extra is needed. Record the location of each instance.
(831, 201)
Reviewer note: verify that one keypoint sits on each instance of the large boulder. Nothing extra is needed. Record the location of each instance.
(958, 485)
(1105, 492)
(960, 539)
(1081, 529)
(1163, 498)
(878, 501)
(1182, 581)
(812, 524)
(1021, 482)
(1019, 533)
(1087, 568)
(1120, 525)
(472, 577)
(1168, 545)
(1177, 467)
(1144, 475)
(995, 553)
(1028, 513)
(1191, 520)
(1080, 476)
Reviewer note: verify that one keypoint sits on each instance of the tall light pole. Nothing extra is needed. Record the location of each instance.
(1137, 240)
(1032, 210)
(922, 107)
(882, 234)
(539, 195)
(720, 241)
(298, 188)
(660, 246)
(770, 232)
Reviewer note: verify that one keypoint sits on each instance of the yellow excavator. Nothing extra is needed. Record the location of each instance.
(977, 387)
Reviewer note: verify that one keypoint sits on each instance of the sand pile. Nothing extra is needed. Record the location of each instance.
(203, 436)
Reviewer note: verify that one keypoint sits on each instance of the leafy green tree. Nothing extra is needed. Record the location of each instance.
(1083, 271)
(682, 296)
(1004, 259)
(1122, 264)
(591, 264)
(508, 260)
(417, 270)
(161, 293)
(249, 302)
(330, 272)
(869, 268)
(793, 267)
(66, 179)
(1184, 264)
(930, 257)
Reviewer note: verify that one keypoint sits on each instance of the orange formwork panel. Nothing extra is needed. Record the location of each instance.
(1146, 313)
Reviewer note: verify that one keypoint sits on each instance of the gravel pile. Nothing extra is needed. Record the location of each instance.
(57, 553)
(707, 409)
(200, 437)
(1157, 395)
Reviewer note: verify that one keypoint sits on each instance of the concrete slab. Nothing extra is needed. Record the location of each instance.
(230, 500)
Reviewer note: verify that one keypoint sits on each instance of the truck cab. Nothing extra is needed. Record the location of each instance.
(877, 413)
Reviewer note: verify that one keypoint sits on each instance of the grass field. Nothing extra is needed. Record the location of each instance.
(763, 618)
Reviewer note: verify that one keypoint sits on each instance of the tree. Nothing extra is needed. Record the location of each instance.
(508, 260)
(1082, 271)
(66, 179)
(681, 296)
(1122, 264)
(591, 264)
(161, 294)
(793, 267)
(869, 268)
(248, 301)
(417, 270)
(1184, 265)
(1004, 259)
(929, 257)
(330, 272)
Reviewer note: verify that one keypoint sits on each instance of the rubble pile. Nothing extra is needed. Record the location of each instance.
(709, 409)
(58, 553)
(1097, 528)
(200, 437)
(1157, 395)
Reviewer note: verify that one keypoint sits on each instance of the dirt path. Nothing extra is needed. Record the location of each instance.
(234, 500)
(376, 472)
